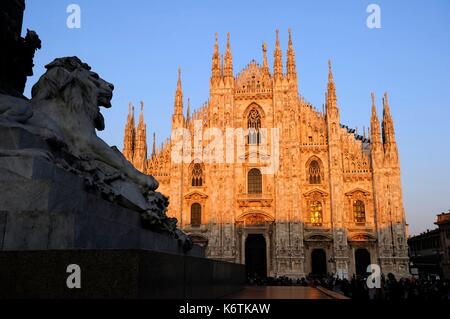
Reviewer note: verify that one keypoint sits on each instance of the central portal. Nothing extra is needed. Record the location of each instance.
(362, 261)
(318, 263)
(255, 255)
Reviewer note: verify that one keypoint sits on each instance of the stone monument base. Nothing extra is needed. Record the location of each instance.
(112, 274)
(52, 217)
(44, 206)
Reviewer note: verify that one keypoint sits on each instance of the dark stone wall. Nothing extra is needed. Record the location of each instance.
(43, 206)
(116, 274)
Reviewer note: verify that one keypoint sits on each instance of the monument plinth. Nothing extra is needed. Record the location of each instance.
(67, 198)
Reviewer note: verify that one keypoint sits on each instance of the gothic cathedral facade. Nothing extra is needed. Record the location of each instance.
(332, 205)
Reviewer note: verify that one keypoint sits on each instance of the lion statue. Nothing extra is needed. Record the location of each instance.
(65, 112)
(66, 100)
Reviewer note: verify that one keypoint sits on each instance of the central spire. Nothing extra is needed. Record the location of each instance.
(178, 105)
(331, 88)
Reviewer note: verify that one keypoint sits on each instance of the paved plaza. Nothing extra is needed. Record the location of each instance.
(279, 292)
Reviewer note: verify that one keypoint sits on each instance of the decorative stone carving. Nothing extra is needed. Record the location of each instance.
(347, 163)
(65, 113)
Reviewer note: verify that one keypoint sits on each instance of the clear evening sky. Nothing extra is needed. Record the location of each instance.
(139, 44)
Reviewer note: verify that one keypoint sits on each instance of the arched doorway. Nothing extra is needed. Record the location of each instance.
(362, 260)
(255, 255)
(318, 262)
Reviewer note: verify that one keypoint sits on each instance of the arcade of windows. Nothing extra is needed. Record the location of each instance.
(316, 209)
(316, 212)
(254, 186)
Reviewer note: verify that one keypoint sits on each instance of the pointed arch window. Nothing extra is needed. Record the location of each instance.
(314, 172)
(197, 175)
(254, 180)
(359, 211)
(196, 214)
(316, 213)
(254, 126)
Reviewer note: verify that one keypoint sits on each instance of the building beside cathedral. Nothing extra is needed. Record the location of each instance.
(333, 204)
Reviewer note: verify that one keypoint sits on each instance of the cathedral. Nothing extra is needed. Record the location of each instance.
(332, 202)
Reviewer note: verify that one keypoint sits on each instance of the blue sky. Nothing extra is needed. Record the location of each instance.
(138, 45)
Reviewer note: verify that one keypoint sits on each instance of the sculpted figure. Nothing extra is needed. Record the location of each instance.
(65, 112)
(67, 100)
(24, 59)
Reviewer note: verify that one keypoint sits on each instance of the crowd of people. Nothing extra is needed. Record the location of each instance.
(390, 288)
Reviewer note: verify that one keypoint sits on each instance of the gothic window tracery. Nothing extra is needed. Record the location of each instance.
(196, 214)
(254, 180)
(316, 213)
(254, 125)
(197, 175)
(314, 173)
(359, 211)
